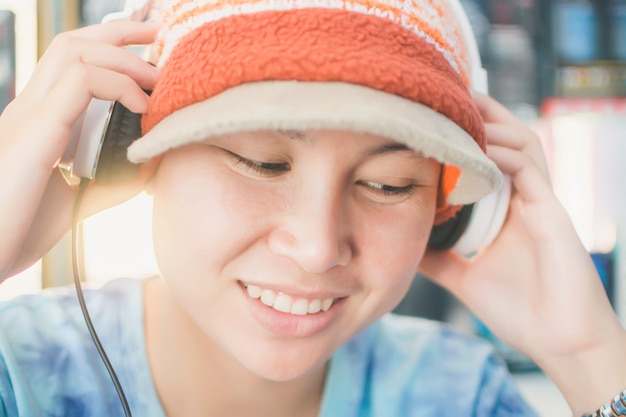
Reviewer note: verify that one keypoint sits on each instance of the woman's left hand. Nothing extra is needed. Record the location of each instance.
(536, 287)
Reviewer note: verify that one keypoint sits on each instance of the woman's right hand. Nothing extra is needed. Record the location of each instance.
(35, 128)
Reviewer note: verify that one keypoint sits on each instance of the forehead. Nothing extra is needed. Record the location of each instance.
(367, 144)
(293, 134)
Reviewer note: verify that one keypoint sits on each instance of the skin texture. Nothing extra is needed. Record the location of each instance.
(318, 226)
(300, 232)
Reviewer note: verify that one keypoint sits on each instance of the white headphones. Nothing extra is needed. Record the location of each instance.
(488, 214)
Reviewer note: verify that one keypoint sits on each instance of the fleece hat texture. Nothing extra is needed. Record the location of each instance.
(395, 68)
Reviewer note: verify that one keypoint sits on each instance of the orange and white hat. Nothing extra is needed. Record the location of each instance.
(395, 68)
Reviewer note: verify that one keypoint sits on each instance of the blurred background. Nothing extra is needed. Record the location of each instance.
(559, 65)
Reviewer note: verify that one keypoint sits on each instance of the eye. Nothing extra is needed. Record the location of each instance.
(267, 169)
(385, 190)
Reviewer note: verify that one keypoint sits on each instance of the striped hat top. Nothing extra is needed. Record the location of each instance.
(396, 68)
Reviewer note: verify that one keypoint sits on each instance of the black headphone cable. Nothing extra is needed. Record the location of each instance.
(76, 230)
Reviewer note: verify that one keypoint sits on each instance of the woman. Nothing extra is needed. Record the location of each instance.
(299, 155)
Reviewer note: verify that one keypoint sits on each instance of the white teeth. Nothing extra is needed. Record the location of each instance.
(300, 307)
(315, 306)
(254, 291)
(284, 303)
(268, 297)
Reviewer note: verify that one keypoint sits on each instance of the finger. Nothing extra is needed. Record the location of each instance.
(519, 139)
(94, 54)
(99, 46)
(84, 82)
(504, 129)
(119, 33)
(116, 59)
(494, 112)
(69, 98)
(506, 135)
(531, 182)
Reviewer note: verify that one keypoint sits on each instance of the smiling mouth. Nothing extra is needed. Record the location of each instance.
(287, 304)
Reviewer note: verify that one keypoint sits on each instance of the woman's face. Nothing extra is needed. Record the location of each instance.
(280, 246)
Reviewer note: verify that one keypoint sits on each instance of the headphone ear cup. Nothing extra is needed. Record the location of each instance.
(445, 235)
(124, 128)
(475, 226)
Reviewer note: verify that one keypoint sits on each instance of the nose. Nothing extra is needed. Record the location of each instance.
(314, 233)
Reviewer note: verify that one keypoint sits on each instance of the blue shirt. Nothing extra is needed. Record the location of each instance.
(398, 367)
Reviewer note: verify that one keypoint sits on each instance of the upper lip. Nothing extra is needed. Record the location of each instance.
(297, 292)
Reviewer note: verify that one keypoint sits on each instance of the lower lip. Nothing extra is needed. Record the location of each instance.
(291, 325)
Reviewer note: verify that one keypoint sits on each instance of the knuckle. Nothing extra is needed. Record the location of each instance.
(64, 41)
(527, 159)
(79, 73)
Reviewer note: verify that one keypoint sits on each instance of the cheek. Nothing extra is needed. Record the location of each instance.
(393, 242)
(206, 218)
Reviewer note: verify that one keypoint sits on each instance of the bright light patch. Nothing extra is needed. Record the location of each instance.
(26, 282)
(118, 242)
(573, 172)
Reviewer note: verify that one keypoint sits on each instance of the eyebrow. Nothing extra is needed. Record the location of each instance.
(388, 148)
(378, 150)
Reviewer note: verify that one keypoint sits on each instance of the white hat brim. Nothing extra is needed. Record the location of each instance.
(297, 105)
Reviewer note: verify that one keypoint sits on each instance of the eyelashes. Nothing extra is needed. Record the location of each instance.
(267, 169)
(275, 169)
(388, 190)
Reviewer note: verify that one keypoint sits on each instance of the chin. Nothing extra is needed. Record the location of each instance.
(288, 374)
(282, 366)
